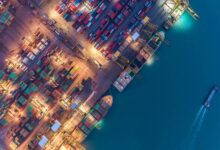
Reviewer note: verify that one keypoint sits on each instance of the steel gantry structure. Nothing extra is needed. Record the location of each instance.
(176, 8)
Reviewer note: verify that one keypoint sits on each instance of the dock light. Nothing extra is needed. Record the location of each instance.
(169, 7)
(7, 87)
(52, 80)
(94, 51)
(100, 124)
(86, 8)
(185, 22)
(53, 14)
(84, 108)
(13, 146)
(150, 61)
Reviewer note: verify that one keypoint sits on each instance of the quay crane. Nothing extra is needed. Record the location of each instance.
(177, 7)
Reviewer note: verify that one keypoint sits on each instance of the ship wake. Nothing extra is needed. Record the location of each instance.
(196, 127)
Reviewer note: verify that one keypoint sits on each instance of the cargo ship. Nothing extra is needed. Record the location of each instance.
(137, 64)
(92, 119)
(210, 96)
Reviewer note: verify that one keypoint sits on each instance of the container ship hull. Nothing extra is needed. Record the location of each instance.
(139, 61)
(210, 96)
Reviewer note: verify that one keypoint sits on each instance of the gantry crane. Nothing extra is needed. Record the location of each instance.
(180, 5)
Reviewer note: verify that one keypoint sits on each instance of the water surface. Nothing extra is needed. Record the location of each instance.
(157, 110)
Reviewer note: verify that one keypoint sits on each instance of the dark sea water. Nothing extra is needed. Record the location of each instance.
(156, 111)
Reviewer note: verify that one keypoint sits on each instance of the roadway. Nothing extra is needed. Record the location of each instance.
(48, 8)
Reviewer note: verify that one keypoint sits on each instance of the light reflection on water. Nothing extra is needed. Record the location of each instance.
(185, 23)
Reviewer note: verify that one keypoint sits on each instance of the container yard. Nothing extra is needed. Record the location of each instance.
(64, 57)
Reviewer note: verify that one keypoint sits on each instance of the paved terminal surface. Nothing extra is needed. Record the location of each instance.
(28, 21)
